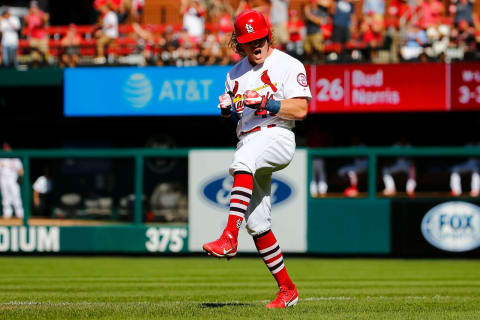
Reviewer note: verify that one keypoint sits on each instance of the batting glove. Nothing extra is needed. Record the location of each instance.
(252, 99)
(225, 104)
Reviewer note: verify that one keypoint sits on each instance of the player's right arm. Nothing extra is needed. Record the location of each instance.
(225, 102)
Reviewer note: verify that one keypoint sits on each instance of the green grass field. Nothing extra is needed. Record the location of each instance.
(207, 288)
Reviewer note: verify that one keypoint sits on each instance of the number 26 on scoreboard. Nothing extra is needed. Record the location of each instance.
(330, 90)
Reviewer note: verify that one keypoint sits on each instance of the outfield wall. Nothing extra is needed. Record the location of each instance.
(368, 225)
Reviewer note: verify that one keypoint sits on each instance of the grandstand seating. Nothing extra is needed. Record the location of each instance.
(124, 45)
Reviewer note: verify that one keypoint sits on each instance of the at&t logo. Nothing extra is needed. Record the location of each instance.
(138, 90)
(217, 190)
(453, 226)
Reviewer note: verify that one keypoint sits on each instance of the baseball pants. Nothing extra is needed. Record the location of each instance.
(11, 197)
(262, 153)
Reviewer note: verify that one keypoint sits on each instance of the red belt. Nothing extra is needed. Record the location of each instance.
(256, 129)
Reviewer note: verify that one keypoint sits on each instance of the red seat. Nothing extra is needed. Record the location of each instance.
(333, 47)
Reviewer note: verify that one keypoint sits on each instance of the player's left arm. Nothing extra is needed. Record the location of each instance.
(293, 108)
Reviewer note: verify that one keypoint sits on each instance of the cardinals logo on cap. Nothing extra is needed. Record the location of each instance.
(249, 28)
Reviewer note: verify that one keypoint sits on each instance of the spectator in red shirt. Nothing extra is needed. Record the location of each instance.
(432, 13)
(296, 32)
(36, 20)
(225, 24)
(400, 12)
(372, 33)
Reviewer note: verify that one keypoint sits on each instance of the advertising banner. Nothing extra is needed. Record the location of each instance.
(190, 91)
(465, 84)
(378, 88)
(209, 196)
(149, 91)
(97, 239)
(435, 228)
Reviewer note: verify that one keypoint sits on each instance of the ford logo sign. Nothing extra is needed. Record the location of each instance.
(453, 226)
(217, 191)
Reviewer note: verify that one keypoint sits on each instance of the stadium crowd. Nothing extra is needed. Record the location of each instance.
(318, 31)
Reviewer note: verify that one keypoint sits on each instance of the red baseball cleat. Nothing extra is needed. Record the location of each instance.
(224, 247)
(351, 192)
(285, 298)
(455, 193)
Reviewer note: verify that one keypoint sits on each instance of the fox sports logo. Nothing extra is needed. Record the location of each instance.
(217, 191)
(453, 226)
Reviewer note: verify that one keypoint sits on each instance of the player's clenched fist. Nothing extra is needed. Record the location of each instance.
(225, 104)
(253, 100)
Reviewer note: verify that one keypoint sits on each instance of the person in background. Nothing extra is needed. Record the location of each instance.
(194, 15)
(472, 166)
(279, 21)
(401, 165)
(317, 138)
(352, 170)
(42, 201)
(463, 10)
(108, 32)
(11, 170)
(315, 15)
(296, 35)
(71, 47)
(148, 42)
(36, 21)
(344, 21)
(9, 27)
(138, 7)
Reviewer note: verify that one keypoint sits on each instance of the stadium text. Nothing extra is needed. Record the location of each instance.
(191, 90)
(40, 239)
(165, 239)
(453, 226)
(362, 79)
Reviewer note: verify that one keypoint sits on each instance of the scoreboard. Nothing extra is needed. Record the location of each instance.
(412, 87)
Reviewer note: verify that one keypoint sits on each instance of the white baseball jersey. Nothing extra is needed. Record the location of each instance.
(270, 149)
(42, 185)
(280, 77)
(9, 168)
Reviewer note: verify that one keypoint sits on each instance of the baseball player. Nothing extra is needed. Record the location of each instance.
(10, 170)
(401, 165)
(267, 90)
(352, 170)
(471, 165)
